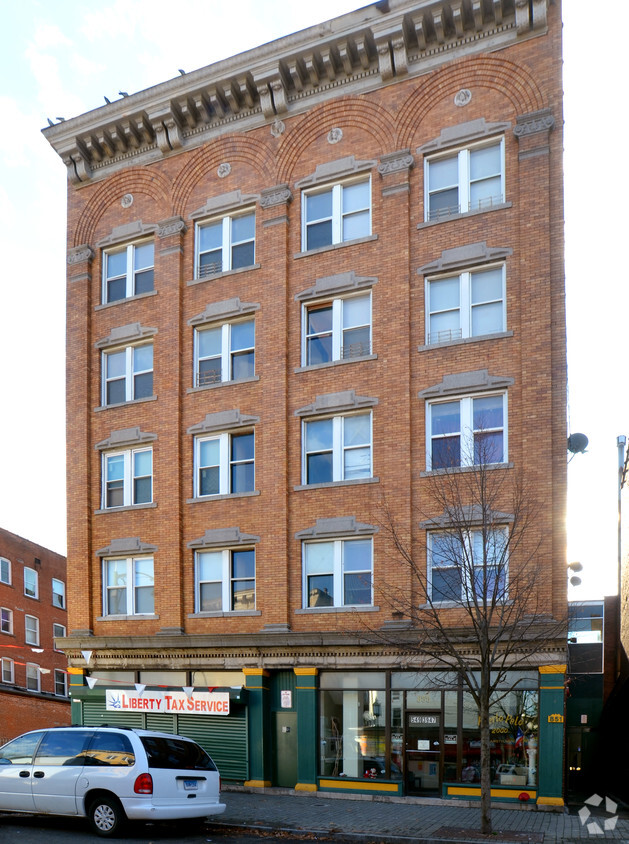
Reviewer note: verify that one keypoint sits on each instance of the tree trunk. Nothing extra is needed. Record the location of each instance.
(485, 760)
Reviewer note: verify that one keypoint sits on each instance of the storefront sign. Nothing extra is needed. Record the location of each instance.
(198, 703)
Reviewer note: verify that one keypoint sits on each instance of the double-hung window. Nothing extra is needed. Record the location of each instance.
(6, 620)
(128, 271)
(337, 329)
(225, 580)
(336, 214)
(127, 374)
(471, 179)
(337, 448)
(225, 244)
(468, 566)
(33, 677)
(338, 573)
(5, 570)
(58, 593)
(128, 478)
(471, 304)
(31, 630)
(467, 431)
(8, 671)
(61, 683)
(224, 352)
(31, 583)
(58, 632)
(128, 586)
(224, 464)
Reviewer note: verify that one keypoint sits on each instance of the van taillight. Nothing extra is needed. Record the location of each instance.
(143, 784)
(220, 784)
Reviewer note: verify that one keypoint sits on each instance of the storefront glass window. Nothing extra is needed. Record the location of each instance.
(353, 734)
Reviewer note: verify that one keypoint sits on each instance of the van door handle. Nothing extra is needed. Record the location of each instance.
(25, 773)
(39, 774)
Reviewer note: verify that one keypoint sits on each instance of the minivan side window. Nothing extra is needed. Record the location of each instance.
(110, 749)
(20, 751)
(63, 747)
(176, 754)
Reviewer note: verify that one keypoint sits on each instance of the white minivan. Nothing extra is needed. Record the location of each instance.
(109, 775)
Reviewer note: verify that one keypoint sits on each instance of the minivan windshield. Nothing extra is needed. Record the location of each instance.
(171, 752)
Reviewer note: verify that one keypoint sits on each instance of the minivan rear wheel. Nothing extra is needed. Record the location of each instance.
(106, 816)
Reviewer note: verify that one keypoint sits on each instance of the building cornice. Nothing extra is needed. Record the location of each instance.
(351, 54)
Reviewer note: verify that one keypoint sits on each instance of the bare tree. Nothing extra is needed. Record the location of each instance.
(480, 603)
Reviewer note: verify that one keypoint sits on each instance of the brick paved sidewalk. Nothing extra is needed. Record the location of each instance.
(391, 819)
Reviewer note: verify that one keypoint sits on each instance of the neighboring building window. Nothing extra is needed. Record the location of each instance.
(129, 586)
(468, 431)
(224, 353)
(8, 674)
(128, 271)
(224, 464)
(471, 304)
(337, 329)
(128, 478)
(33, 680)
(58, 632)
(128, 374)
(471, 179)
(58, 593)
(31, 630)
(61, 683)
(31, 583)
(225, 244)
(338, 573)
(6, 620)
(336, 214)
(462, 570)
(225, 580)
(337, 448)
(5, 570)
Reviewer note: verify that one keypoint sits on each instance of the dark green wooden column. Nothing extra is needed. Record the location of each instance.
(260, 750)
(306, 688)
(550, 764)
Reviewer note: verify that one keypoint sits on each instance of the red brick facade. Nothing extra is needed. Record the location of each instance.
(40, 699)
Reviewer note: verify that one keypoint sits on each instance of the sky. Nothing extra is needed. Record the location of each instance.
(61, 58)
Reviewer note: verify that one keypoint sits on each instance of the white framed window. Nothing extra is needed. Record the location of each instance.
(225, 580)
(337, 448)
(128, 586)
(58, 632)
(127, 374)
(128, 271)
(8, 671)
(127, 478)
(336, 213)
(470, 179)
(467, 431)
(33, 677)
(224, 352)
(336, 329)
(224, 464)
(461, 569)
(338, 573)
(224, 244)
(6, 620)
(61, 683)
(5, 570)
(471, 304)
(58, 593)
(31, 583)
(31, 630)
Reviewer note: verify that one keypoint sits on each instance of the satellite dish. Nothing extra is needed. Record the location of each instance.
(577, 443)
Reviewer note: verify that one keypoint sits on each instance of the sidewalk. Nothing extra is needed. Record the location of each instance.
(392, 820)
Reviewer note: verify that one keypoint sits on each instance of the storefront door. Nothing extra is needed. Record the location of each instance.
(422, 763)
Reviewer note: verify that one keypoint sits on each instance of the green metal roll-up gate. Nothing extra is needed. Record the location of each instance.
(94, 714)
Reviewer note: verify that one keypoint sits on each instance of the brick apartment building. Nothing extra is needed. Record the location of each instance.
(284, 270)
(34, 678)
